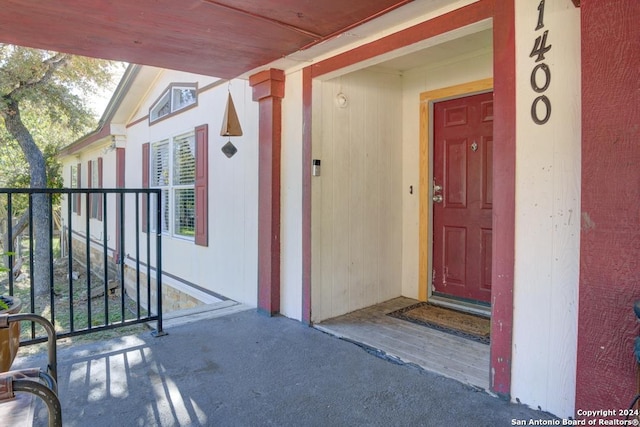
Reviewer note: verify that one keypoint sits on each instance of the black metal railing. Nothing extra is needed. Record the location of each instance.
(99, 261)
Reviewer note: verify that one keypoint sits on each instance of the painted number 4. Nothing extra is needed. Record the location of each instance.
(540, 47)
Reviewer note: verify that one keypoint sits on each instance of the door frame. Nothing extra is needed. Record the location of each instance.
(425, 231)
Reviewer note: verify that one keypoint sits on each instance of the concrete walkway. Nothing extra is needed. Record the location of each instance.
(244, 369)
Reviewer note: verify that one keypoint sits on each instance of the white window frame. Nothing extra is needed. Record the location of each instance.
(165, 180)
(170, 103)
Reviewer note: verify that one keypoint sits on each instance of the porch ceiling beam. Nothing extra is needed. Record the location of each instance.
(267, 19)
(222, 38)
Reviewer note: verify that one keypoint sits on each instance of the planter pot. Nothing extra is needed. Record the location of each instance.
(10, 338)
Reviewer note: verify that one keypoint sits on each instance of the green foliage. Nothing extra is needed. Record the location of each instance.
(4, 269)
(52, 91)
(58, 85)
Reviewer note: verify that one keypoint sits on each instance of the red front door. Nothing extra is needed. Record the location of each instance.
(462, 197)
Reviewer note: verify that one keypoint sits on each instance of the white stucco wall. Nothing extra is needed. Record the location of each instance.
(291, 199)
(356, 202)
(228, 265)
(547, 240)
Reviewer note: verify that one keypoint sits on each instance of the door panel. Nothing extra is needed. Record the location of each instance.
(486, 259)
(455, 242)
(455, 173)
(487, 172)
(463, 177)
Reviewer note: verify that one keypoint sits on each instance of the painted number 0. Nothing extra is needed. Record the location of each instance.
(547, 77)
(534, 110)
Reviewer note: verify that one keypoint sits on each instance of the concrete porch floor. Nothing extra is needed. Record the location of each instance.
(227, 365)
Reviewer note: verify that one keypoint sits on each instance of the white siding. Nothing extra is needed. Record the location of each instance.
(228, 266)
(291, 200)
(96, 231)
(547, 214)
(357, 249)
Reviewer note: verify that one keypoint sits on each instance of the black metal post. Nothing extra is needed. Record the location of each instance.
(88, 256)
(159, 332)
(51, 291)
(70, 258)
(105, 259)
(10, 242)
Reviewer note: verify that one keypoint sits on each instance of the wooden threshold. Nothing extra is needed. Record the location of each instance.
(464, 306)
(458, 358)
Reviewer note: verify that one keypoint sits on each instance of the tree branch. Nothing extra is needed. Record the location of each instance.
(52, 64)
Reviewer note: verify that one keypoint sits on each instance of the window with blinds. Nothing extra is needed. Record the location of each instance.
(184, 160)
(160, 164)
(172, 169)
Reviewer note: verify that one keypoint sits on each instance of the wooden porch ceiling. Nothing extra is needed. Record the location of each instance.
(223, 38)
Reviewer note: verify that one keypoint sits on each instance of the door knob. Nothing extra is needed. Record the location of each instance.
(437, 198)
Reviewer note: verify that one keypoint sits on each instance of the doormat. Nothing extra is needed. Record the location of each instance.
(465, 325)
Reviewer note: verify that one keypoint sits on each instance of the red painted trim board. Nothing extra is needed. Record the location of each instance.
(202, 186)
(120, 183)
(439, 25)
(268, 90)
(504, 172)
(307, 82)
(99, 197)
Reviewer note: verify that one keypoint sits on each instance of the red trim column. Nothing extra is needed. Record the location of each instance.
(268, 91)
(307, 86)
(202, 186)
(610, 236)
(120, 183)
(100, 185)
(504, 173)
(79, 185)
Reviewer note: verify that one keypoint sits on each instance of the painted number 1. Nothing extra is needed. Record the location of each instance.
(540, 15)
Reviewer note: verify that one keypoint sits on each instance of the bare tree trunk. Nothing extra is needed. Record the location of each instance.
(41, 214)
(16, 229)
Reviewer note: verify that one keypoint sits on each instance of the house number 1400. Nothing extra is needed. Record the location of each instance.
(541, 72)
